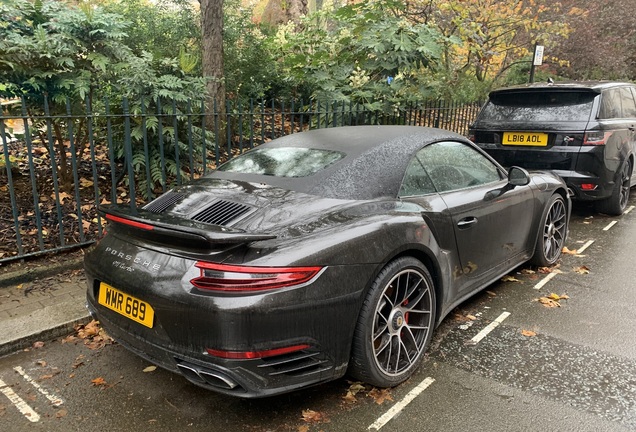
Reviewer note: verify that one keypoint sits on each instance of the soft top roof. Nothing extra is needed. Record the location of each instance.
(375, 161)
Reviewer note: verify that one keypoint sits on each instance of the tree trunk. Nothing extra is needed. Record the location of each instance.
(212, 61)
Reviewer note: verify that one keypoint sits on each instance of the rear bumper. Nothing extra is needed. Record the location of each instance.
(577, 166)
(185, 326)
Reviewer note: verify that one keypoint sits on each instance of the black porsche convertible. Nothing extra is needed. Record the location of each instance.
(318, 254)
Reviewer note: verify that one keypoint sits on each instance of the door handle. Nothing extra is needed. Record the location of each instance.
(467, 222)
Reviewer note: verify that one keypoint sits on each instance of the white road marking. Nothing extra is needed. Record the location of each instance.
(19, 403)
(630, 208)
(55, 400)
(395, 409)
(544, 281)
(490, 327)
(585, 246)
(610, 225)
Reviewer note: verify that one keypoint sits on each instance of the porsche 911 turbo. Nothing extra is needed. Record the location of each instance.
(319, 254)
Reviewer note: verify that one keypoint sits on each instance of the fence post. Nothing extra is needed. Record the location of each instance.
(128, 153)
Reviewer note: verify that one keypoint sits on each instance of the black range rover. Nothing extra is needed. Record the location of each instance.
(583, 131)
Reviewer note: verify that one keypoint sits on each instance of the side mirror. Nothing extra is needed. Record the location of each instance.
(517, 176)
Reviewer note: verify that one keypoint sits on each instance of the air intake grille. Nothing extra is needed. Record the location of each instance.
(163, 202)
(222, 212)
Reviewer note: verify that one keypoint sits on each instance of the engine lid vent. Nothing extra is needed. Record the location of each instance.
(165, 201)
(222, 212)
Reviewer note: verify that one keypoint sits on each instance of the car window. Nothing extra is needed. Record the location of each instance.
(610, 104)
(447, 166)
(627, 102)
(524, 106)
(282, 161)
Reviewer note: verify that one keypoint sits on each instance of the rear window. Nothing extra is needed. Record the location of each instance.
(282, 161)
(539, 106)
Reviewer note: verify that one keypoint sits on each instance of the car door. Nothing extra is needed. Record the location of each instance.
(490, 221)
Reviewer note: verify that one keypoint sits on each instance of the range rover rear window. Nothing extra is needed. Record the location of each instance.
(539, 106)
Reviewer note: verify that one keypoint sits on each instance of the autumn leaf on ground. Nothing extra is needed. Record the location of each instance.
(528, 333)
(567, 251)
(471, 317)
(582, 270)
(38, 344)
(150, 369)
(312, 416)
(303, 428)
(63, 196)
(527, 271)
(380, 396)
(557, 297)
(61, 413)
(509, 278)
(89, 330)
(98, 382)
(491, 293)
(41, 363)
(548, 302)
(352, 391)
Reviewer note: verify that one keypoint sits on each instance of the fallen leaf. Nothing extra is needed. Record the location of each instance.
(582, 270)
(303, 428)
(471, 317)
(380, 396)
(528, 333)
(312, 416)
(567, 251)
(98, 382)
(150, 369)
(491, 293)
(38, 344)
(509, 278)
(527, 271)
(61, 413)
(548, 302)
(554, 296)
(41, 363)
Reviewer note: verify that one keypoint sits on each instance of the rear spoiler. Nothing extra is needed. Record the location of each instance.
(145, 224)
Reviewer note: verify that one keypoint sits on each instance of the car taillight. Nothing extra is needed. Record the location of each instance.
(246, 355)
(129, 222)
(596, 138)
(224, 277)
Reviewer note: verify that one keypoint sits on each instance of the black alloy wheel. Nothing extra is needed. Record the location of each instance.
(552, 234)
(395, 324)
(616, 204)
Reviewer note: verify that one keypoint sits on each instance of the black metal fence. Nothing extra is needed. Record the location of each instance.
(60, 160)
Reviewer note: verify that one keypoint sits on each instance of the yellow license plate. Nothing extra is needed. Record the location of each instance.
(525, 139)
(126, 305)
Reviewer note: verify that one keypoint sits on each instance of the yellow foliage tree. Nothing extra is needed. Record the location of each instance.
(491, 35)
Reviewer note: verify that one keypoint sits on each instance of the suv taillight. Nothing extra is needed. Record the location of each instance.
(596, 137)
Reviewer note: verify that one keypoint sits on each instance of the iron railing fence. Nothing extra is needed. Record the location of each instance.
(59, 162)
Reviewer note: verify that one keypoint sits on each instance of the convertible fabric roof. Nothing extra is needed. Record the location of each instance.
(375, 161)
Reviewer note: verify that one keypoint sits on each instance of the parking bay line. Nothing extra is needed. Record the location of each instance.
(630, 208)
(55, 400)
(610, 225)
(545, 280)
(395, 409)
(19, 403)
(490, 327)
(585, 246)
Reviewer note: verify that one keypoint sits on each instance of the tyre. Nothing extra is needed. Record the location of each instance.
(552, 233)
(395, 324)
(616, 204)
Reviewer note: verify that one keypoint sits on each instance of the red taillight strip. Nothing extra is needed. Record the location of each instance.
(264, 278)
(246, 355)
(129, 222)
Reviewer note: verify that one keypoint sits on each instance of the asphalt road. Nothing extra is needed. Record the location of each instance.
(567, 368)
